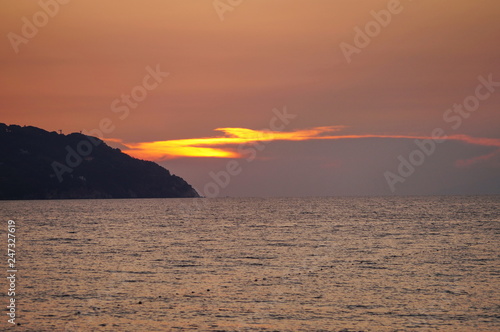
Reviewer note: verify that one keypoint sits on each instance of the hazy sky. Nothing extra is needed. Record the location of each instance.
(332, 93)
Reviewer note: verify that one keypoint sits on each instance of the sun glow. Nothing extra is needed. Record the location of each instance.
(229, 144)
(222, 146)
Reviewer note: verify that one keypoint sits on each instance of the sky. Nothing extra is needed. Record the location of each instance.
(269, 97)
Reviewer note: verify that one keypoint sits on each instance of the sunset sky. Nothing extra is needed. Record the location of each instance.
(269, 97)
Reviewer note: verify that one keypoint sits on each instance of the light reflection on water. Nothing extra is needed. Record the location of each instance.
(289, 264)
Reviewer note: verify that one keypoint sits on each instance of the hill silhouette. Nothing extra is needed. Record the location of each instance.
(37, 164)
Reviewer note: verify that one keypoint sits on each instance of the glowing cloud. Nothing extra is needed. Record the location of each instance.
(226, 146)
(221, 146)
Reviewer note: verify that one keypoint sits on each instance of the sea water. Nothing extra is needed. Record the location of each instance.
(256, 264)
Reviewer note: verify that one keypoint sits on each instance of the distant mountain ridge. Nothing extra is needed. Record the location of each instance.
(37, 164)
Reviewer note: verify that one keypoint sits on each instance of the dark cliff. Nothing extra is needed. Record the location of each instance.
(37, 164)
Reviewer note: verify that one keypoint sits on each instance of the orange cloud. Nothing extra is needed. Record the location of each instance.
(225, 146)
(464, 163)
(208, 146)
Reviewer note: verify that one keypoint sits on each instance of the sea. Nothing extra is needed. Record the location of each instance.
(254, 264)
